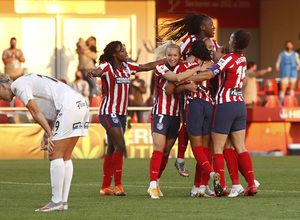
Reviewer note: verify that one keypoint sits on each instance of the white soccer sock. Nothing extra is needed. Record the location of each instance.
(153, 184)
(157, 181)
(57, 172)
(67, 180)
(180, 160)
(211, 175)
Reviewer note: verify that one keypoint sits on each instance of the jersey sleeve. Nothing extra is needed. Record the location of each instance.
(184, 45)
(105, 68)
(224, 62)
(161, 70)
(22, 90)
(133, 67)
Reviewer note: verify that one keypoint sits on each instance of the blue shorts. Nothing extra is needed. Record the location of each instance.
(198, 117)
(229, 117)
(166, 125)
(113, 120)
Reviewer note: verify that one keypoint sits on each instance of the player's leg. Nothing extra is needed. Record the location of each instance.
(57, 173)
(182, 145)
(283, 87)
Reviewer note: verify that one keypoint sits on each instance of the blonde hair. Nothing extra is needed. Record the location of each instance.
(4, 77)
(160, 51)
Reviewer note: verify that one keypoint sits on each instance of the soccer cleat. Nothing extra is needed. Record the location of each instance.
(208, 192)
(236, 190)
(216, 183)
(194, 192)
(65, 205)
(106, 192)
(51, 206)
(153, 193)
(119, 191)
(250, 191)
(159, 192)
(181, 168)
(201, 191)
(225, 191)
(257, 184)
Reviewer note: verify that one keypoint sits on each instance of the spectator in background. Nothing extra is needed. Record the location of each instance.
(12, 59)
(81, 86)
(249, 85)
(288, 64)
(137, 88)
(87, 55)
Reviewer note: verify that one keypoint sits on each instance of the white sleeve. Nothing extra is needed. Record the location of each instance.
(297, 59)
(277, 65)
(22, 90)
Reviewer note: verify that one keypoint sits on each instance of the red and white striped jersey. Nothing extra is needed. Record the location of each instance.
(185, 44)
(232, 69)
(115, 84)
(164, 104)
(203, 87)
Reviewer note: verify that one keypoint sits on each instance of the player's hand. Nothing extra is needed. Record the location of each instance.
(44, 143)
(192, 87)
(206, 65)
(90, 73)
(50, 144)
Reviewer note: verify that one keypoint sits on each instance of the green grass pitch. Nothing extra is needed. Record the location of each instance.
(25, 186)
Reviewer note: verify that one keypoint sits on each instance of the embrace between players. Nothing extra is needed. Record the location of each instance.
(204, 89)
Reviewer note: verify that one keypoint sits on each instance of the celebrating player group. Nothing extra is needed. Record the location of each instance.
(197, 82)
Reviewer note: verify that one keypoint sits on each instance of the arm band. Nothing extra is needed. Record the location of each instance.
(215, 69)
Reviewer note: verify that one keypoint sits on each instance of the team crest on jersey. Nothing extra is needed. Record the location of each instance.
(160, 126)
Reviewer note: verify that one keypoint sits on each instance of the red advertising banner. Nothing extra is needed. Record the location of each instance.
(229, 13)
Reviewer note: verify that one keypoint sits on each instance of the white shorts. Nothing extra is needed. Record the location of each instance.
(287, 80)
(73, 118)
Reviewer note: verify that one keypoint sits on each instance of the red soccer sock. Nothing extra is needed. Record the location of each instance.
(202, 159)
(117, 165)
(107, 172)
(164, 162)
(219, 165)
(182, 142)
(232, 165)
(198, 175)
(246, 164)
(155, 163)
(205, 176)
(239, 162)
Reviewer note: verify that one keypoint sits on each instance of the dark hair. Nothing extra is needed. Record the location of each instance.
(250, 64)
(13, 38)
(287, 41)
(241, 39)
(109, 50)
(199, 50)
(188, 24)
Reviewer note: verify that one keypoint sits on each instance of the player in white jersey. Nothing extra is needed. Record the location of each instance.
(55, 106)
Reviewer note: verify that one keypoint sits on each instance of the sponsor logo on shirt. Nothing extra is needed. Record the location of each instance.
(123, 80)
(79, 125)
(236, 92)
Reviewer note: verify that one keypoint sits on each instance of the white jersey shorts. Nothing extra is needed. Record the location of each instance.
(73, 118)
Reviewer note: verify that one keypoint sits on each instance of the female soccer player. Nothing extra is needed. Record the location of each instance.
(196, 26)
(230, 112)
(115, 72)
(52, 104)
(165, 114)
